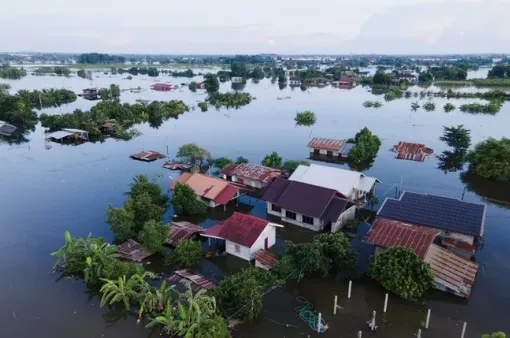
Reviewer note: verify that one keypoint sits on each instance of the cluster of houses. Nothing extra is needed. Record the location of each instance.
(442, 231)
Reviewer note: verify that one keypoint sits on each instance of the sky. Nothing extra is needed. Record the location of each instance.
(256, 26)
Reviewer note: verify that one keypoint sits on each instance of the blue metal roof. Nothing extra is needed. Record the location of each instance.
(437, 212)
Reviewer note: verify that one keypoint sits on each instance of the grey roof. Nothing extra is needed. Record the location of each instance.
(437, 212)
(6, 128)
(72, 130)
(57, 135)
(305, 199)
(335, 209)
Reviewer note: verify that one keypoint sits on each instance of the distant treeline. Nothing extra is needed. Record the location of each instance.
(57, 70)
(94, 58)
(12, 73)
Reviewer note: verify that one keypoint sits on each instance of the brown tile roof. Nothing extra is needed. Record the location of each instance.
(239, 228)
(452, 270)
(252, 171)
(326, 143)
(182, 230)
(388, 233)
(303, 198)
(133, 250)
(266, 258)
(209, 187)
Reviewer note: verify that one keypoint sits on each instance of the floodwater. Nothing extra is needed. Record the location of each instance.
(45, 191)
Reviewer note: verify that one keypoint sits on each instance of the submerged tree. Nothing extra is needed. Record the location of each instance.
(272, 160)
(192, 153)
(153, 235)
(192, 86)
(124, 290)
(185, 201)
(402, 272)
(222, 162)
(305, 118)
(186, 254)
(448, 107)
(429, 106)
(291, 165)
(499, 334)
(241, 159)
(457, 137)
(415, 106)
(211, 83)
(490, 159)
(365, 148)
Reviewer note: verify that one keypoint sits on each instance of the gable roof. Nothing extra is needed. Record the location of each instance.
(303, 198)
(239, 228)
(388, 233)
(436, 212)
(252, 171)
(206, 186)
(341, 180)
(326, 143)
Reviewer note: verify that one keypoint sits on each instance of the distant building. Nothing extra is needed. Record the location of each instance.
(308, 206)
(252, 175)
(347, 81)
(237, 79)
(6, 129)
(163, 86)
(331, 148)
(244, 235)
(294, 81)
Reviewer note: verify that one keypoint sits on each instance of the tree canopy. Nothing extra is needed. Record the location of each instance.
(100, 58)
(186, 254)
(401, 272)
(153, 235)
(222, 162)
(211, 83)
(381, 78)
(490, 159)
(12, 73)
(291, 165)
(192, 153)
(305, 118)
(456, 137)
(499, 71)
(498, 334)
(185, 201)
(365, 148)
(272, 160)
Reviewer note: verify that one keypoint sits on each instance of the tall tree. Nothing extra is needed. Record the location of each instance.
(211, 83)
(192, 153)
(457, 137)
(185, 201)
(153, 235)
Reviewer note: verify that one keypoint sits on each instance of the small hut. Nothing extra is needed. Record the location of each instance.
(69, 135)
(133, 250)
(411, 151)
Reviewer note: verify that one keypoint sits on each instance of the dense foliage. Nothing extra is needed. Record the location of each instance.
(204, 106)
(479, 108)
(291, 165)
(305, 118)
(327, 252)
(370, 104)
(490, 159)
(57, 70)
(212, 84)
(236, 290)
(100, 58)
(185, 201)
(401, 272)
(429, 106)
(14, 110)
(46, 98)
(222, 162)
(272, 160)
(381, 78)
(456, 137)
(186, 254)
(153, 235)
(453, 73)
(499, 334)
(110, 94)
(12, 73)
(230, 99)
(448, 107)
(193, 154)
(499, 71)
(124, 114)
(192, 86)
(365, 148)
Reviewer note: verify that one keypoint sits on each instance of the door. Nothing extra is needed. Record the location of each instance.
(266, 243)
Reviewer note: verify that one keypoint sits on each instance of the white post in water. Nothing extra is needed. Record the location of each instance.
(372, 324)
(349, 292)
(463, 330)
(428, 319)
(334, 308)
(418, 335)
(359, 334)
(385, 303)
(319, 323)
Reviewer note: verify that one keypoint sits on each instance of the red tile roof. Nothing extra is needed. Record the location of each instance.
(255, 172)
(411, 151)
(388, 233)
(133, 250)
(182, 230)
(451, 270)
(266, 258)
(459, 245)
(239, 228)
(197, 281)
(326, 143)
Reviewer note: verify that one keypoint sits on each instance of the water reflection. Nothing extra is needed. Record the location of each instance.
(451, 161)
(494, 192)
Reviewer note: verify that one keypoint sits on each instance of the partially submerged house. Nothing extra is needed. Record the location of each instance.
(133, 250)
(182, 230)
(163, 86)
(90, 94)
(6, 129)
(347, 81)
(196, 281)
(351, 185)
(295, 81)
(308, 206)
(236, 79)
(249, 174)
(210, 190)
(69, 135)
(147, 156)
(452, 273)
(244, 234)
(461, 223)
(411, 151)
(330, 148)
(265, 259)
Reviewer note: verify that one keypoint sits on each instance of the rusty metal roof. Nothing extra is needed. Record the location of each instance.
(209, 187)
(388, 233)
(182, 230)
(451, 270)
(197, 281)
(326, 143)
(451, 242)
(411, 151)
(266, 258)
(147, 155)
(255, 172)
(133, 250)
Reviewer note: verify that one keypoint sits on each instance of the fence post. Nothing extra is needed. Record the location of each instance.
(334, 308)
(319, 323)
(419, 333)
(349, 292)
(385, 303)
(359, 334)
(428, 319)
(463, 330)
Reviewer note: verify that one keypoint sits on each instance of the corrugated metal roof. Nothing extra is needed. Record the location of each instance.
(133, 250)
(148, 155)
(198, 281)
(72, 130)
(266, 258)
(326, 143)
(411, 151)
(451, 242)
(182, 230)
(335, 208)
(388, 233)
(342, 180)
(206, 186)
(436, 212)
(6, 128)
(252, 171)
(451, 270)
(57, 135)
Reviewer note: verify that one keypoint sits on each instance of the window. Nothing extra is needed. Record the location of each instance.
(316, 151)
(307, 220)
(329, 154)
(276, 208)
(290, 214)
(237, 248)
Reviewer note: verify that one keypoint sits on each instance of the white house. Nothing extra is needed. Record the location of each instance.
(244, 234)
(308, 206)
(237, 79)
(294, 81)
(250, 174)
(350, 184)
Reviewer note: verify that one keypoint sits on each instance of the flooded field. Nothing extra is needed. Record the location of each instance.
(47, 190)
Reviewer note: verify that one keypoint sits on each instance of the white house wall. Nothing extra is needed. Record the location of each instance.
(269, 233)
(323, 151)
(244, 252)
(318, 225)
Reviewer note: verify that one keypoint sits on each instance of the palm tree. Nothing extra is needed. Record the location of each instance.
(166, 319)
(163, 294)
(122, 290)
(71, 247)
